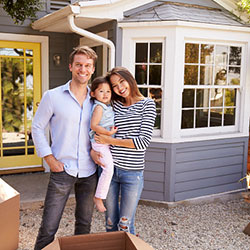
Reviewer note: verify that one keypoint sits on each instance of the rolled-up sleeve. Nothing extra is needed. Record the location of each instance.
(148, 119)
(39, 125)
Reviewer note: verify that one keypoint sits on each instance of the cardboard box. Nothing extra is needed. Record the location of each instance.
(99, 241)
(9, 217)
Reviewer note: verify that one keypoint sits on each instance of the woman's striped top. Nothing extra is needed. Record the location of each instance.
(134, 122)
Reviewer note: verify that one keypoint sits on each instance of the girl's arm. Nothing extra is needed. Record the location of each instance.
(95, 120)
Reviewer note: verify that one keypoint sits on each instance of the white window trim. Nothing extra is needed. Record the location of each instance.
(219, 129)
(174, 35)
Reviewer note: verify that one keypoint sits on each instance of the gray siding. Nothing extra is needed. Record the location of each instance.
(59, 43)
(182, 171)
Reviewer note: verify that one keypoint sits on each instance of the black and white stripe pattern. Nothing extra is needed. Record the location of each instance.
(134, 122)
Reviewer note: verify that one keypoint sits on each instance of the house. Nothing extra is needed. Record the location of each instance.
(191, 57)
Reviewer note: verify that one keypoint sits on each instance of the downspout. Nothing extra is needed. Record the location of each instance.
(95, 37)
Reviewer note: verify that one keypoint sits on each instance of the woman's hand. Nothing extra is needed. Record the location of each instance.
(96, 157)
(103, 139)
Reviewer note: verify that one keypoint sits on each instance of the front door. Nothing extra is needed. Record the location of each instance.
(20, 94)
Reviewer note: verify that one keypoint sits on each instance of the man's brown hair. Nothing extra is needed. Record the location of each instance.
(85, 50)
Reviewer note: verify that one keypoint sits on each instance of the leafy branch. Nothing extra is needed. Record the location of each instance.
(19, 10)
(244, 7)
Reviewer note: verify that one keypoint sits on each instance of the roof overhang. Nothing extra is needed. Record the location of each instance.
(57, 21)
(87, 14)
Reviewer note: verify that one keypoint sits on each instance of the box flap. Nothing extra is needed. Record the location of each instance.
(6, 191)
(97, 241)
(138, 243)
(53, 246)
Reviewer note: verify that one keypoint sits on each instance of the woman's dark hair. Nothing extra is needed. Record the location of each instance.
(97, 81)
(128, 77)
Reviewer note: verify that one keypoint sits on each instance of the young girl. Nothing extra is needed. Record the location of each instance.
(102, 122)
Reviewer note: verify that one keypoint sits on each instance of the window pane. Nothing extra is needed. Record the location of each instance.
(191, 75)
(188, 98)
(141, 53)
(221, 55)
(220, 76)
(229, 116)
(29, 52)
(235, 56)
(206, 75)
(31, 151)
(155, 74)
(155, 52)
(191, 53)
(202, 97)
(11, 52)
(234, 76)
(12, 85)
(187, 120)
(141, 74)
(201, 118)
(215, 117)
(230, 97)
(216, 98)
(144, 91)
(13, 152)
(207, 53)
(29, 98)
(156, 95)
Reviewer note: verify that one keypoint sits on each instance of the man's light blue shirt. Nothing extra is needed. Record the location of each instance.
(69, 125)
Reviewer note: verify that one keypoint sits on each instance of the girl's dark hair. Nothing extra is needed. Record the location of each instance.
(97, 81)
(128, 77)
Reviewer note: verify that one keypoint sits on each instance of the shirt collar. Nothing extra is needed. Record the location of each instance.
(66, 87)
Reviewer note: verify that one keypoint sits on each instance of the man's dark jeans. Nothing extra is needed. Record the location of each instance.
(59, 188)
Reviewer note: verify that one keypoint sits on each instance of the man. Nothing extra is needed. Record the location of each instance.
(67, 111)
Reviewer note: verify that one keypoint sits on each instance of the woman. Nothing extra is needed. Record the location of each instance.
(134, 118)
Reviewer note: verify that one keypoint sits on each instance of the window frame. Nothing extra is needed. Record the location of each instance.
(220, 129)
(156, 132)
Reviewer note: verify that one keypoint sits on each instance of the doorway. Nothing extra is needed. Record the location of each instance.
(20, 94)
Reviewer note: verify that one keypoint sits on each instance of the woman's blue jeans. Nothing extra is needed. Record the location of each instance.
(59, 188)
(129, 185)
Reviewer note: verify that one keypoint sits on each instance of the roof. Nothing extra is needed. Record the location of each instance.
(191, 11)
(91, 13)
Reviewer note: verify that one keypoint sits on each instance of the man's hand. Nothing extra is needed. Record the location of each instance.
(96, 157)
(54, 164)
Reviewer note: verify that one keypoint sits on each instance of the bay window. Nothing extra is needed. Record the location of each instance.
(212, 74)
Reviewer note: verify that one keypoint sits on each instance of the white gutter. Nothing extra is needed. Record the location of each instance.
(94, 37)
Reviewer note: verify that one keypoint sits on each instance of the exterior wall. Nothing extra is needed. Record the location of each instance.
(182, 171)
(111, 29)
(59, 43)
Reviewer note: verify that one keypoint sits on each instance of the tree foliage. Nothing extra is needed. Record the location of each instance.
(19, 10)
(244, 6)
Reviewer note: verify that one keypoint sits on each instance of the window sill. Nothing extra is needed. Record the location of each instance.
(200, 137)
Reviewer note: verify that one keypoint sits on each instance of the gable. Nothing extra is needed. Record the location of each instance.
(192, 11)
